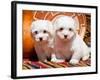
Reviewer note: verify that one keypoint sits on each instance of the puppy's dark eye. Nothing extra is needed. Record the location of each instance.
(70, 29)
(44, 31)
(61, 29)
(36, 32)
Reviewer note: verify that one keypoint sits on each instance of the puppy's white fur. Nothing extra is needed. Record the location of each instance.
(42, 31)
(68, 44)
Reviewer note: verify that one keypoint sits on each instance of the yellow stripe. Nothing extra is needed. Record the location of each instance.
(54, 64)
(83, 63)
(27, 66)
(24, 68)
(59, 64)
(45, 64)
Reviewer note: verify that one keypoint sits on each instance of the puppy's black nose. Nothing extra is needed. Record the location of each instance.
(40, 39)
(65, 36)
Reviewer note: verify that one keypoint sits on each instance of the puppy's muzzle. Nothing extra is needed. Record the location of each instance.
(65, 36)
(40, 38)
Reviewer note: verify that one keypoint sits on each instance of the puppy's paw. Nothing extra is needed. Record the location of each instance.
(57, 60)
(85, 57)
(74, 61)
(54, 59)
(45, 60)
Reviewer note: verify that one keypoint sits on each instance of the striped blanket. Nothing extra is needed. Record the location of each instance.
(49, 64)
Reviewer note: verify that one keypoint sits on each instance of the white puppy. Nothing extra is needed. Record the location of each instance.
(42, 31)
(68, 44)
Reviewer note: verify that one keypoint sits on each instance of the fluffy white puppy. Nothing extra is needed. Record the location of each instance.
(68, 44)
(42, 31)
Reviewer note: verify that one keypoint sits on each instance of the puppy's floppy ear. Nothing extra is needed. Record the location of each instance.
(56, 21)
(50, 28)
(76, 20)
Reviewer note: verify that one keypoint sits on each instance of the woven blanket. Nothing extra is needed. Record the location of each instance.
(39, 65)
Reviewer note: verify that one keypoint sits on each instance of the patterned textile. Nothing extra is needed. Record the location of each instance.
(49, 64)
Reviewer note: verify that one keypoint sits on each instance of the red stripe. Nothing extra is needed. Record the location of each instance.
(39, 64)
(65, 63)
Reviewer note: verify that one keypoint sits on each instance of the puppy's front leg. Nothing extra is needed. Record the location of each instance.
(54, 59)
(75, 58)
